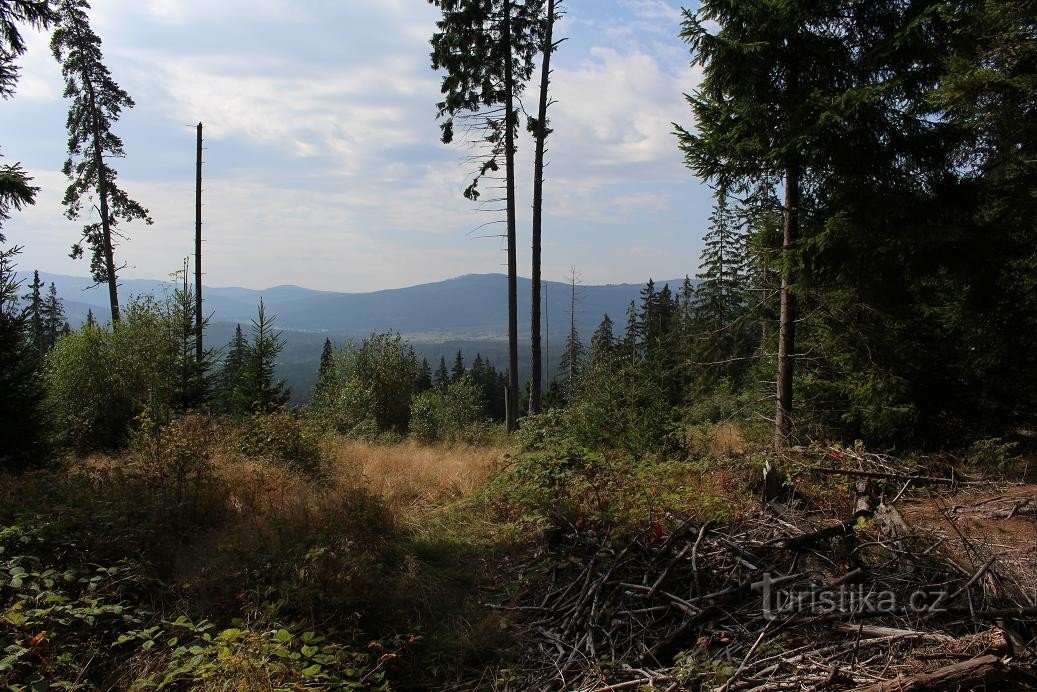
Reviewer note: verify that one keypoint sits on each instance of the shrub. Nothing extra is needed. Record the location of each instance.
(374, 381)
(426, 412)
(454, 415)
(280, 437)
(99, 381)
(617, 409)
(69, 622)
(176, 462)
(572, 486)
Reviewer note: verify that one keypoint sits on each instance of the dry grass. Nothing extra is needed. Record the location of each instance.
(716, 440)
(412, 476)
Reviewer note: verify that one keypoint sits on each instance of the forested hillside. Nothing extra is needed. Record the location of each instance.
(805, 465)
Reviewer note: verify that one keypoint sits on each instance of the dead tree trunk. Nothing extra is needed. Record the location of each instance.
(787, 323)
(536, 375)
(509, 155)
(198, 346)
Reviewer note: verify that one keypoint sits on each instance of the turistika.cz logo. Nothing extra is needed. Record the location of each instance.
(841, 598)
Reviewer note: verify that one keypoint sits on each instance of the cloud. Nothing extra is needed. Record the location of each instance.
(323, 161)
(616, 109)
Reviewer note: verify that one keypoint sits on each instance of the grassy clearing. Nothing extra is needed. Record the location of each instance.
(190, 560)
(210, 550)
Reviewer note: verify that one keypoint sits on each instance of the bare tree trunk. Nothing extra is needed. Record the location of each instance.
(787, 323)
(538, 213)
(509, 155)
(198, 346)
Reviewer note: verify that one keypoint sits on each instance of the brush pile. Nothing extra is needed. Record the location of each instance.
(793, 599)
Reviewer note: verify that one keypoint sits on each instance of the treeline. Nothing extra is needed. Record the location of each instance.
(875, 180)
(870, 259)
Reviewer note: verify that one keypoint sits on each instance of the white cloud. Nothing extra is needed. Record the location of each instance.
(618, 108)
(343, 184)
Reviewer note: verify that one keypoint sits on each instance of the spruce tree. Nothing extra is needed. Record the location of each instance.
(257, 387)
(487, 49)
(326, 375)
(458, 370)
(53, 318)
(442, 378)
(96, 103)
(35, 315)
(603, 343)
(230, 374)
(424, 380)
(91, 321)
(570, 369)
(191, 378)
(35, 13)
(15, 188)
(770, 71)
(21, 393)
(720, 301)
(629, 345)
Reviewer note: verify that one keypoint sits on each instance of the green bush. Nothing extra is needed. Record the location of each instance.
(372, 381)
(617, 409)
(426, 412)
(99, 381)
(68, 622)
(454, 415)
(281, 437)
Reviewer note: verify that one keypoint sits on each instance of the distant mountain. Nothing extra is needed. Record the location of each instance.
(467, 313)
(470, 307)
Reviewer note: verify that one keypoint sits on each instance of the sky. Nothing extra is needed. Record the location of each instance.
(323, 165)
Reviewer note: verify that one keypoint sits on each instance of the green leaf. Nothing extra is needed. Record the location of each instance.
(312, 671)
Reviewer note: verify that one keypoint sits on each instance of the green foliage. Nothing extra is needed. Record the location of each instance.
(198, 654)
(250, 371)
(59, 614)
(97, 102)
(455, 415)
(21, 393)
(621, 407)
(562, 485)
(176, 458)
(993, 452)
(99, 381)
(486, 50)
(35, 13)
(373, 385)
(66, 621)
(281, 437)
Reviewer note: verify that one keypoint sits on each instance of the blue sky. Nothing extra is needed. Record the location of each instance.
(323, 163)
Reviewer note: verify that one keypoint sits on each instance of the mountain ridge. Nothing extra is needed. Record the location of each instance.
(466, 306)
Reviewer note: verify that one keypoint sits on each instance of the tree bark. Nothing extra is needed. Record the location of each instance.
(538, 214)
(787, 323)
(509, 155)
(199, 346)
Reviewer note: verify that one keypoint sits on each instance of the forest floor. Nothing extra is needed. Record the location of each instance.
(473, 568)
(871, 572)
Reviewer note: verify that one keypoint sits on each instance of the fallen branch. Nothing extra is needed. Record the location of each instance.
(977, 672)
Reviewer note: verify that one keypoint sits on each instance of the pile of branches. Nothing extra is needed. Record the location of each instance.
(781, 600)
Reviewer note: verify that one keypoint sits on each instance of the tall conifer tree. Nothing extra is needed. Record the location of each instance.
(487, 48)
(96, 103)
